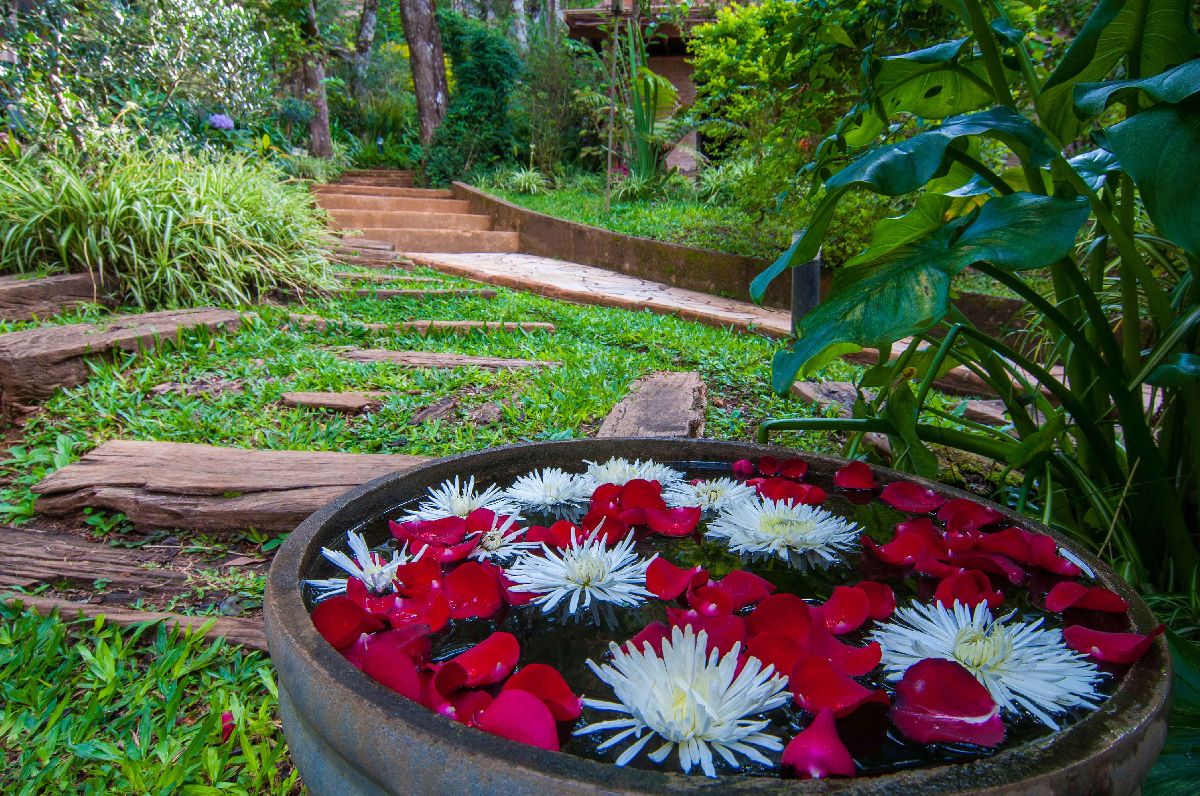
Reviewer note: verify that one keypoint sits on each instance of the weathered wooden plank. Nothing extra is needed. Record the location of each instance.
(36, 362)
(349, 402)
(429, 327)
(382, 279)
(438, 410)
(389, 263)
(438, 359)
(49, 557)
(405, 293)
(235, 630)
(24, 299)
(663, 404)
(202, 487)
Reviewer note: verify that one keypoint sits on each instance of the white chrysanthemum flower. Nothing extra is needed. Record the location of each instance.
(456, 499)
(375, 571)
(711, 496)
(621, 471)
(799, 534)
(502, 541)
(551, 491)
(695, 701)
(1021, 664)
(595, 577)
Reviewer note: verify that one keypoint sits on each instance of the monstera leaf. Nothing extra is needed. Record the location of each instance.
(1175, 772)
(1174, 85)
(892, 233)
(1164, 170)
(904, 167)
(1095, 166)
(907, 290)
(1158, 33)
(933, 83)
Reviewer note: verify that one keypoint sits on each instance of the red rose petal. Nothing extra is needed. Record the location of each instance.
(1069, 594)
(902, 550)
(793, 468)
(846, 658)
(855, 475)
(653, 634)
(781, 489)
(744, 588)
(606, 497)
(1011, 542)
(520, 716)
(970, 588)
(928, 565)
(1123, 648)
(1045, 555)
(910, 497)
(723, 631)
(930, 534)
(768, 465)
(387, 664)
(467, 706)
(781, 650)
(938, 701)
(882, 599)
(817, 751)
(340, 621)
(781, 613)
(710, 601)
(489, 661)
(639, 493)
(673, 522)
(433, 610)
(667, 581)
(442, 532)
(418, 577)
(743, 467)
(846, 609)
(376, 605)
(547, 684)
(473, 591)
(961, 515)
(991, 562)
(817, 684)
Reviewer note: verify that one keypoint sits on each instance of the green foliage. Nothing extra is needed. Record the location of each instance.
(1121, 310)
(528, 181)
(161, 228)
(1175, 772)
(557, 69)
(477, 131)
(89, 707)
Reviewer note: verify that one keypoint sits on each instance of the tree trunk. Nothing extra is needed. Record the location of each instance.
(520, 26)
(428, 64)
(320, 138)
(363, 43)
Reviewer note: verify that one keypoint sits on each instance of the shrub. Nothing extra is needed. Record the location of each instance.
(556, 69)
(163, 229)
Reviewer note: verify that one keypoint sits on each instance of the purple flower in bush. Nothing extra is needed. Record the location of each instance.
(219, 121)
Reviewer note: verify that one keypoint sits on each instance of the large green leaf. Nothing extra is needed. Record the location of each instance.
(1157, 33)
(932, 83)
(907, 290)
(1160, 149)
(1182, 368)
(1094, 166)
(892, 233)
(1174, 85)
(904, 167)
(1178, 766)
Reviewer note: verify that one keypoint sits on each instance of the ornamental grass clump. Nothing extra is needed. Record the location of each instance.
(161, 229)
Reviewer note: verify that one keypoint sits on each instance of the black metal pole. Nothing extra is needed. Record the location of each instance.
(806, 288)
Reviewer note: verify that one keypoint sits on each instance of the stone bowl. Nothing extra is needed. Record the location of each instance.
(350, 736)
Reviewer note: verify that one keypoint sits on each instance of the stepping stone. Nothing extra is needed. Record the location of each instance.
(437, 359)
(23, 299)
(382, 278)
(36, 362)
(235, 630)
(384, 293)
(350, 402)
(207, 488)
(430, 327)
(663, 404)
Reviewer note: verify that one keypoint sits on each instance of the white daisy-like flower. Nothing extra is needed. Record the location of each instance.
(456, 499)
(595, 577)
(621, 471)
(711, 496)
(375, 571)
(502, 541)
(694, 700)
(551, 491)
(799, 534)
(1021, 664)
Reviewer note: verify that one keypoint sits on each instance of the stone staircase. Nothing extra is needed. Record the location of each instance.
(384, 207)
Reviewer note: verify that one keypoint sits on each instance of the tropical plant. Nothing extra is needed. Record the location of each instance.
(648, 102)
(161, 228)
(1100, 435)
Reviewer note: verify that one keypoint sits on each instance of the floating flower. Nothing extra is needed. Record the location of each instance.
(375, 571)
(621, 471)
(551, 491)
(711, 496)
(502, 541)
(594, 576)
(457, 499)
(1021, 664)
(695, 700)
(799, 534)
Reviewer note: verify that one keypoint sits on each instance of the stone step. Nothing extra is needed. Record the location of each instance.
(401, 219)
(208, 488)
(447, 240)
(663, 404)
(36, 362)
(24, 299)
(339, 201)
(378, 190)
(438, 359)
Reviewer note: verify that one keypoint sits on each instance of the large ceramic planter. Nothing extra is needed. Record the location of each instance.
(350, 736)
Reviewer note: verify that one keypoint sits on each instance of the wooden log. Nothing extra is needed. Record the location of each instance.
(351, 242)
(49, 558)
(373, 262)
(235, 630)
(36, 362)
(201, 487)
(663, 404)
(429, 327)
(382, 279)
(401, 293)
(437, 359)
(350, 402)
(24, 299)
